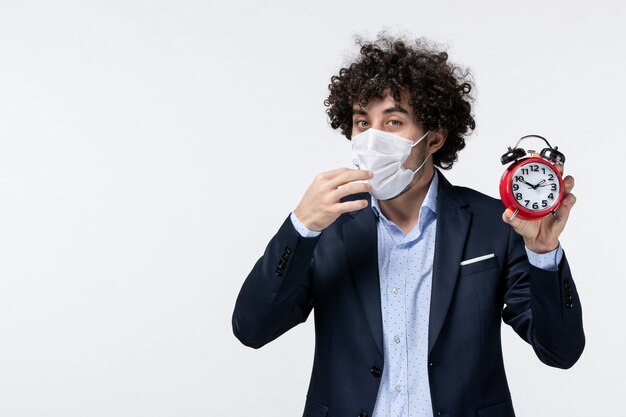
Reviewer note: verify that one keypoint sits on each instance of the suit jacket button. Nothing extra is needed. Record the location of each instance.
(376, 371)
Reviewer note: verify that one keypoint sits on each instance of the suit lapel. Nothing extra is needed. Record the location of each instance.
(360, 238)
(453, 222)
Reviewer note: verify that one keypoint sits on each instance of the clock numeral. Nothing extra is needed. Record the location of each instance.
(519, 178)
(515, 187)
(552, 187)
(534, 168)
(518, 196)
(526, 201)
(550, 177)
(551, 196)
(543, 170)
(524, 171)
(544, 203)
(535, 206)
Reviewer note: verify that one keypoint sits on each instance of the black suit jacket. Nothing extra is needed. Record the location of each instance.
(336, 274)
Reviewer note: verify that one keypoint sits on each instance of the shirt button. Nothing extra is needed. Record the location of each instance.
(396, 339)
(398, 388)
(394, 290)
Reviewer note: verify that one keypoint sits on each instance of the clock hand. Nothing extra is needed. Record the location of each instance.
(538, 185)
(527, 183)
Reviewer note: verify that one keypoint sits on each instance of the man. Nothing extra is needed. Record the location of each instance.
(410, 277)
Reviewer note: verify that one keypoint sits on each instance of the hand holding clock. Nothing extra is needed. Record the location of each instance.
(537, 213)
(542, 236)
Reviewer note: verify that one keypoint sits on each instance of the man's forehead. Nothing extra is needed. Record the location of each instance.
(387, 99)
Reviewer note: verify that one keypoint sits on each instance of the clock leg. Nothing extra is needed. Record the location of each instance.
(556, 216)
(513, 216)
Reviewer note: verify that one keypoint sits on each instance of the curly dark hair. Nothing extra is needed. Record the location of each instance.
(439, 91)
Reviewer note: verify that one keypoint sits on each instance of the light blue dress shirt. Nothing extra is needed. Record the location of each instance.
(405, 267)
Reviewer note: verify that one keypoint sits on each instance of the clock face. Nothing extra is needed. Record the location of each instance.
(535, 186)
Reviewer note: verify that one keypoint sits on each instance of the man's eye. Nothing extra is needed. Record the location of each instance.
(361, 123)
(395, 122)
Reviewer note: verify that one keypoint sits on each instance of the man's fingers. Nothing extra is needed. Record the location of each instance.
(333, 173)
(568, 183)
(351, 188)
(349, 206)
(349, 175)
(569, 200)
(566, 205)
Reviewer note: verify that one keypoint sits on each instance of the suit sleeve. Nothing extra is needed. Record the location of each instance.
(543, 307)
(277, 294)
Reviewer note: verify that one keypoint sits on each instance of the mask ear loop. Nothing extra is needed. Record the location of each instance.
(429, 155)
(420, 167)
(420, 139)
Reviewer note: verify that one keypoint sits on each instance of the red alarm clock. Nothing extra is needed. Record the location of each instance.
(532, 186)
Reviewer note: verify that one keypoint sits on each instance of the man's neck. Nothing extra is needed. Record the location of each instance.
(404, 210)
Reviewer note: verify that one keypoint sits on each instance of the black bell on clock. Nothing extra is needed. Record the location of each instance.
(513, 154)
(553, 155)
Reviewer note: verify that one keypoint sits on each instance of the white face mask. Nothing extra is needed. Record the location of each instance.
(383, 154)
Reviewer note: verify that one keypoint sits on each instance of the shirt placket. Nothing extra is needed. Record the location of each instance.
(396, 335)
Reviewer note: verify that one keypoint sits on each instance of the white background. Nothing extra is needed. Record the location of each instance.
(150, 149)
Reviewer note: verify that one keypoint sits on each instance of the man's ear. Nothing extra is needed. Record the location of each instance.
(435, 139)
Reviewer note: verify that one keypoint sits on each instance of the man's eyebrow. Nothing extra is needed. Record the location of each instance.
(396, 109)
